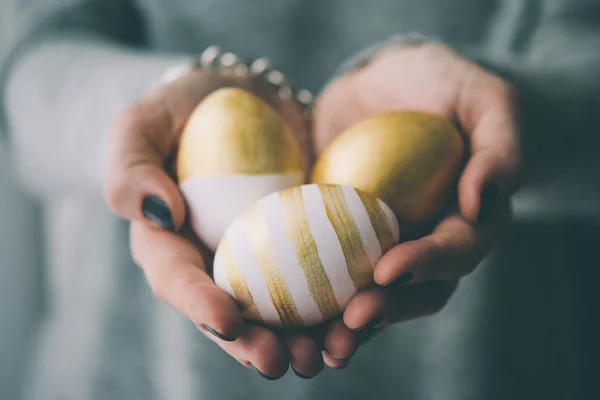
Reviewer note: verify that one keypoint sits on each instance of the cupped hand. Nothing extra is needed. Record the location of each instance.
(417, 277)
(140, 188)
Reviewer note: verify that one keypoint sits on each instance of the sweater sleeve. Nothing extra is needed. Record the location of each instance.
(68, 67)
(557, 77)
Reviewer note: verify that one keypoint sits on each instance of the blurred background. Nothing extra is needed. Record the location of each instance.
(540, 298)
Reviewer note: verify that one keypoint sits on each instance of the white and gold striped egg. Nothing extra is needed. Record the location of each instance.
(234, 150)
(296, 257)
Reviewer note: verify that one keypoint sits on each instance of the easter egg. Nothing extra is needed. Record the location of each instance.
(296, 257)
(411, 160)
(234, 150)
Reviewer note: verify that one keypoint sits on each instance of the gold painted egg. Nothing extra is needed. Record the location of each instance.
(234, 150)
(411, 160)
(296, 257)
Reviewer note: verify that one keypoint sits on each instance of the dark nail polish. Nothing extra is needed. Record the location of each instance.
(218, 334)
(263, 375)
(374, 322)
(489, 197)
(157, 211)
(299, 374)
(403, 279)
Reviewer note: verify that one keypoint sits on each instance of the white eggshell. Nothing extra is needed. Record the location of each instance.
(214, 202)
(297, 257)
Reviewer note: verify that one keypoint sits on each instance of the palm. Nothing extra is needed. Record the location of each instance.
(396, 80)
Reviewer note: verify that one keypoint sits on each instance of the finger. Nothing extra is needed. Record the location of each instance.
(486, 110)
(258, 348)
(364, 311)
(363, 336)
(176, 273)
(396, 304)
(453, 250)
(305, 356)
(340, 343)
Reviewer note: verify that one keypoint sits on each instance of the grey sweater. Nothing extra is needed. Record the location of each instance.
(67, 67)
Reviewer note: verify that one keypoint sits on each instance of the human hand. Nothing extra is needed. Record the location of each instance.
(140, 188)
(417, 277)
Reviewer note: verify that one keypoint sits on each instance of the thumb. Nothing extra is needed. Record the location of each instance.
(494, 169)
(484, 182)
(141, 140)
(137, 186)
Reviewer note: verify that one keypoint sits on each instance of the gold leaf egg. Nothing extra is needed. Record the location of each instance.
(296, 257)
(410, 160)
(234, 150)
(232, 131)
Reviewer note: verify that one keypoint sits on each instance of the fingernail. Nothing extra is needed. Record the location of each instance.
(158, 211)
(299, 374)
(374, 322)
(217, 334)
(263, 375)
(403, 279)
(489, 196)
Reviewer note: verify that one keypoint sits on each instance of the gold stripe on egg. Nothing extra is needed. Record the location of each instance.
(357, 261)
(236, 280)
(299, 234)
(379, 221)
(258, 233)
